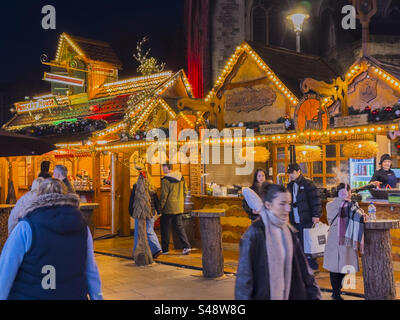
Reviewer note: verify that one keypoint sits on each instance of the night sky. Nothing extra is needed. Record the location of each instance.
(120, 23)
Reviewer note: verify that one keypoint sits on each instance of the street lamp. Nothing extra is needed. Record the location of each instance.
(298, 21)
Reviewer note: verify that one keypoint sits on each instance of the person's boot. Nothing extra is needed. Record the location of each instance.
(337, 296)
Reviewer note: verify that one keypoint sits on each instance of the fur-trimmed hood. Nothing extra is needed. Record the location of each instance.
(50, 200)
(57, 212)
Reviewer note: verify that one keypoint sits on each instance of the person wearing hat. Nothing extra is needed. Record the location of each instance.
(306, 204)
(384, 176)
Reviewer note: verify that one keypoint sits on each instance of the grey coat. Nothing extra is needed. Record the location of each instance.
(337, 257)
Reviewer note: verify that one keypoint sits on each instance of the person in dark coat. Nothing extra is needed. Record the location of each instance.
(258, 179)
(385, 175)
(44, 170)
(272, 265)
(306, 208)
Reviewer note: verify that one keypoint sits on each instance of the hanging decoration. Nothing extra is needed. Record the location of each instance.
(308, 154)
(147, 65)
(260, 154)
(361, 150)
(64, 128)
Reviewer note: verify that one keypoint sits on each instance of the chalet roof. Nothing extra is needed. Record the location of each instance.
(292, 67)
(112, 103)
(133, 85)
(97, 50)
(389, 68)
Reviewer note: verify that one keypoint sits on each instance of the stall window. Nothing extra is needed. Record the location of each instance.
(321, 172)
(317, 167)
(395, 152)
(330, 151)
(318, 181)
(22, 173)
(304, 167)
(330, 166)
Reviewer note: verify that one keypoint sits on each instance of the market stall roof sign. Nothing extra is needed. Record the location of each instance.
(35, 105)
(63, 79)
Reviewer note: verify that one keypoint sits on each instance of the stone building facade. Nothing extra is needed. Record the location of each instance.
(264, 21)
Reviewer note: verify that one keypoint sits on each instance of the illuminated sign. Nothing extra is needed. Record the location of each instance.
(63, 79)
(35, 105)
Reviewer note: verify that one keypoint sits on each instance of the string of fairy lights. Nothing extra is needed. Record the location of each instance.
(256, 58)
(281, 138)
(65, 37)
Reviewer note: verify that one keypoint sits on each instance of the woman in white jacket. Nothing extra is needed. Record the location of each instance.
(338, 259)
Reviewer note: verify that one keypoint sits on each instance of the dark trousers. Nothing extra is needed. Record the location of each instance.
(177, 224)
(336, 282)
(300, 227)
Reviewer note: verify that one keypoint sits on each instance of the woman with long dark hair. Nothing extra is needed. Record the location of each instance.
(259, 178)
(272, 265)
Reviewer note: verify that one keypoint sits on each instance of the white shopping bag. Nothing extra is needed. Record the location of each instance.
(315, 240)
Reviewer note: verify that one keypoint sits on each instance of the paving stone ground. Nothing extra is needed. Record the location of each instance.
(123, 280)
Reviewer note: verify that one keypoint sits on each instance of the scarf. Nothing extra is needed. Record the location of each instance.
(351, 226)
(279, 245)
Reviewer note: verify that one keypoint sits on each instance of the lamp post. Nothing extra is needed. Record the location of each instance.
(297, 20)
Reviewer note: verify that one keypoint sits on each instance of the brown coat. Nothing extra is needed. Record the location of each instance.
(337, 257)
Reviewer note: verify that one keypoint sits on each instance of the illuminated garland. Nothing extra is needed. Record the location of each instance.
(308, 154)
(260, 154)
(361, 150)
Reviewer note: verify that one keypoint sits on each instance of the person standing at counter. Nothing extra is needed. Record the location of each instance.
(61, 173)
(44, 170)
(258, 180)
(306, 208)
(384, 176)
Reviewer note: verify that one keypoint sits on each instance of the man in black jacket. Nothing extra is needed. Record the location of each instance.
(306, 208)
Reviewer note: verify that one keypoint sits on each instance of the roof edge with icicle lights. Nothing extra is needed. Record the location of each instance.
(245, 47)
(275, 138)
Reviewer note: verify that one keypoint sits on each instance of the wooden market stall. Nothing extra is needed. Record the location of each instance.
(310, 112)
(88, 107)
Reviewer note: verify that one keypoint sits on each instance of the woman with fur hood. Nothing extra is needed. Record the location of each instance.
(23, 204)
(49, 254)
